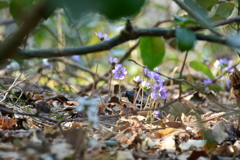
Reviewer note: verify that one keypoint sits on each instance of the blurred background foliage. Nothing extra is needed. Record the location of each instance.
(71, 23)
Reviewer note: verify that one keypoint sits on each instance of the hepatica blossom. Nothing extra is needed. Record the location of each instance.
(119, 71)
(156, 77)
(145, 85)
(46, 63)
(157, 113)
(159, 91)
(76, 58)
(137, 80)
(102, 37)
(208, 81)
(113, 61)
(224, 63)
(147, 72)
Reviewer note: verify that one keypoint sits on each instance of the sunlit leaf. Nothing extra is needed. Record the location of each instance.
(186, 38)
(225, 9)
(198, 66)
(152, 51)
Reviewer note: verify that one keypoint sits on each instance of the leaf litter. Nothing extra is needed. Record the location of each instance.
(42, 124)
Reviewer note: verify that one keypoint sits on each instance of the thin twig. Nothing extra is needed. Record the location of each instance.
(181, 71)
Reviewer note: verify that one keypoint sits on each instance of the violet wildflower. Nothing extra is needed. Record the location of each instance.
(137, 80)
(228, 83)
(46, 63)
(113, 61)
(119, 72)
(102, 37)
(147, 72)
(76, 58)
(157, 113)
(159, 91)
(207, 81)
(224, 62)
(156, 77)
(145, 85)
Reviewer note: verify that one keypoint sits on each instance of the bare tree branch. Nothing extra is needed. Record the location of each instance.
(123, 37)
(9, 47)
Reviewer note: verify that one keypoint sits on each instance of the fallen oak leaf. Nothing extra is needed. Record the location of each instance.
(7, 123)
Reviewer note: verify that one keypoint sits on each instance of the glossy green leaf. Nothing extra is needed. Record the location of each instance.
(186, 38)
(224, 10)
(152, 51)
(3, 4)
(19, 9)
(207, 4)
(198, 66)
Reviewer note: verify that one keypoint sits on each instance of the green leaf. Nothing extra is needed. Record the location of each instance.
(152, 51)
(19, 9)
(198, 66)
(3, 4)
(111, 9)
(186, 38)
(184, 21)
(215, 88)
(224, 10)
(116, 9)
(207, 4)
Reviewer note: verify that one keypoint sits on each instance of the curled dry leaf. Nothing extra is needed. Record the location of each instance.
(8, 123)
(235, 82)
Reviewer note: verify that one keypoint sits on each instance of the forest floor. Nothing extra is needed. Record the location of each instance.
(41, 124)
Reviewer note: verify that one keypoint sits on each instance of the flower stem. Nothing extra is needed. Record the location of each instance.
(94, 77)
(119, 88)
(109, 87)
(135, 99)
(141, 101)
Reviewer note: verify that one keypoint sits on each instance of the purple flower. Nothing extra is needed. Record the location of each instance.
(159, 91)
(46, 63)
(76, 58)
(113, 61)
(119, 72)
(145, 85)
(137, 80)
(102, 37)
(228, 83)
(207, 81)
(147, 72)
(156, 77)
(157, 113)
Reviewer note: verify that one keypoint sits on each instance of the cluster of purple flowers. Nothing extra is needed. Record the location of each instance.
(225, 64)
(119, 71)
(158, 89)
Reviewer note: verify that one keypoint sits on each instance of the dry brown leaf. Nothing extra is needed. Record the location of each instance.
(223, 151)
(164, 132)
(8, 123)
(173, 124)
